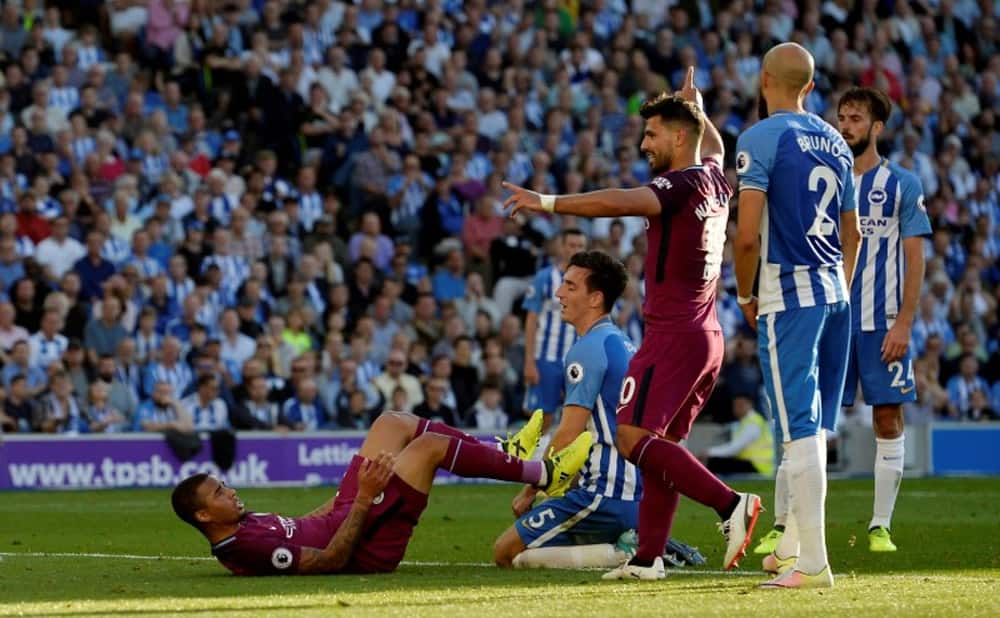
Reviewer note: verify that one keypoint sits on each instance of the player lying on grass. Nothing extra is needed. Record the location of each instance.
(580, 528)
(365, 528)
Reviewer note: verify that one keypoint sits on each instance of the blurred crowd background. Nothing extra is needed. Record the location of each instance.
(274, 214)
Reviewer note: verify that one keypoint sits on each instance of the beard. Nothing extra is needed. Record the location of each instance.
(761, 105)
(859, 147)
(659, 163)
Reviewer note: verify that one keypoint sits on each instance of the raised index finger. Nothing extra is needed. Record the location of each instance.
(689, 79)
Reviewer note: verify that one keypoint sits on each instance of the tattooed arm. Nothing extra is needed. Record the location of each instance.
(372, 479)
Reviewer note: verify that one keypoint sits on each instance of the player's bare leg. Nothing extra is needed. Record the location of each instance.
(507, 547)
(889, 451)
(392, 431)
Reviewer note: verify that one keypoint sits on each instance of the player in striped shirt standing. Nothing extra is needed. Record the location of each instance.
(797, 221)
(547, 338)
(884, 298)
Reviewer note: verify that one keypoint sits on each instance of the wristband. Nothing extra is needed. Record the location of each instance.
(548, 202)
(744, 300)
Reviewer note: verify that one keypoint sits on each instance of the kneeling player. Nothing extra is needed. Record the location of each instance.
(580, 529)
(365, 528)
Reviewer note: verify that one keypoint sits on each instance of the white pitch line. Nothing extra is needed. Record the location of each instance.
(482, 565)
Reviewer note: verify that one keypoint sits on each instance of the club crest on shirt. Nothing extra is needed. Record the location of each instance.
(281, 558)
(662, 183)
(574, 373)
(877, 197)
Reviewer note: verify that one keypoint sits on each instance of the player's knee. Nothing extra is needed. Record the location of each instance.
(503, 554)
(431, 445)
(395, 422)
(888, 423)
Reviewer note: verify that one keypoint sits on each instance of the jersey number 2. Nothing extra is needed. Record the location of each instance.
(823, 224)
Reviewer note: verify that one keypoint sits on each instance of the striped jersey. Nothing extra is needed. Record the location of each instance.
(805, 167)
(890, 208)
(211, 417)
(553, 337)
(595, 367)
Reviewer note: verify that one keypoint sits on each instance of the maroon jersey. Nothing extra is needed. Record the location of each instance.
(269, 544)
(684, 249)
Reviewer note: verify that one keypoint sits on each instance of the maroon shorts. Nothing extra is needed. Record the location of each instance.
(669, 380)
(389, 524)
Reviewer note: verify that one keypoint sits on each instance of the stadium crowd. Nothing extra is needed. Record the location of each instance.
(277, 214)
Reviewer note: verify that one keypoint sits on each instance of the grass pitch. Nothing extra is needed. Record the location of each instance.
(86, 554)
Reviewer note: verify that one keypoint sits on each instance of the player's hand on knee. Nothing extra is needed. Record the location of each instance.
(374, 476)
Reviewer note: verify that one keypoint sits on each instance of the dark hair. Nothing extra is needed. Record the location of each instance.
(672, 108)
(184, 498)
(874, 100)
(570, 231)
(607, 275)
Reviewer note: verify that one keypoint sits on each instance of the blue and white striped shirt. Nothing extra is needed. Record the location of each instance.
(311, 415)
(178, 291)
(890, 209)
(414, 194)
(66, 98)
(553, 338)
(310, 209)
(806, 169)
(222, 207)
(82, 146)
(46, 351)
(179, 376)
(25, 247)
(146, 346)
(595, 367)
(234, 268)
(148, 267)
(207, 418)
(88, 56)
(116, 250)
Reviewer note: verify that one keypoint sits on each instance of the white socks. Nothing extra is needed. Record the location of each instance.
(807, 485)
(570, 557)
(888, 474)
(788, 546)
(781, 492)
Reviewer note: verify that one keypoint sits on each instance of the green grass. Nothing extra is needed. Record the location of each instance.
(948, 564)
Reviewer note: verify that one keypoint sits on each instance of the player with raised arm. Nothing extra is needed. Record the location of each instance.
(797, 221)
(365, 528)
(547, 338)
(669, 380)
(580, 529)
(884, 295)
